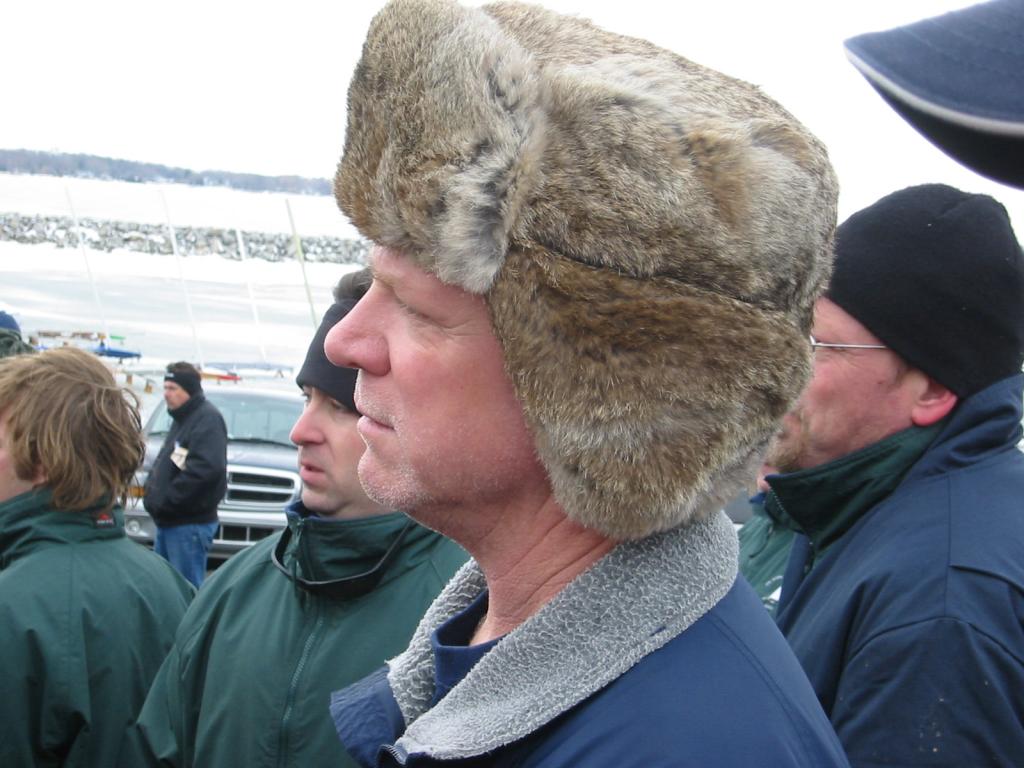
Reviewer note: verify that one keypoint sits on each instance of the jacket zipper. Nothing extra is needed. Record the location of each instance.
(812, 550)
(399, 755)
(307, 650)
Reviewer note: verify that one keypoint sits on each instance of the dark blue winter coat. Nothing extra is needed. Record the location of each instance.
(911, 627)
(188, 492)
(725, 691)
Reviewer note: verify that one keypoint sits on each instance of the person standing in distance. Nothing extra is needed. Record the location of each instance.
(189, 476)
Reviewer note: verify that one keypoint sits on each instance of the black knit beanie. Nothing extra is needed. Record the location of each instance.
(938, 276)
(188, 380)
(319, 372)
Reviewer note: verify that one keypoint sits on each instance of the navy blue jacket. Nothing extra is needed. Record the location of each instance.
(725, 692)
(182, 496)
(911, 627)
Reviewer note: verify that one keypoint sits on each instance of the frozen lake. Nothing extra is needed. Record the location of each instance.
(141, 296)
(142, 299)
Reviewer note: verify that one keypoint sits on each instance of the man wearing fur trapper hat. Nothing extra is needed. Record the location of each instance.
(594, 270)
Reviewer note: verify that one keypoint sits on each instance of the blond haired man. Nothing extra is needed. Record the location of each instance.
(86, 616)
(594, 265)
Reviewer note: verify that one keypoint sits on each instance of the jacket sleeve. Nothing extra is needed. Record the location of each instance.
(44, 718)
(205, 466)
(37, 720)
(933, 693)
(163, 735)
(155, 489)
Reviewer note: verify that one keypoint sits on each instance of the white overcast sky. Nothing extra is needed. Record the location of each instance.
(260, 87)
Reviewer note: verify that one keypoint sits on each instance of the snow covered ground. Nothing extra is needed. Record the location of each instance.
(141, 296)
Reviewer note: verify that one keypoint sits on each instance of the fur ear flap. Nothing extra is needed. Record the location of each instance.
(484, 201)
(445, 136)
(721, 162)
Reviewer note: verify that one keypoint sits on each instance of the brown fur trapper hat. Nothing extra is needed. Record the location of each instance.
(649, 234)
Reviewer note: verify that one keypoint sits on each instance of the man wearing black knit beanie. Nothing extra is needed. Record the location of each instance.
(189, 475)
(899, 484)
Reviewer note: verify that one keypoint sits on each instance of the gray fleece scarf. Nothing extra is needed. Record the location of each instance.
(633, 601)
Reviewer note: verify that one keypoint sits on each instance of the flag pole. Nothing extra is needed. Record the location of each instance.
(302, 263)
(88, 266)
(252, 299)
(181, 277)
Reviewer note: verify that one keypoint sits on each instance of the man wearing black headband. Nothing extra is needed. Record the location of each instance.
(299, 614)
(189, 476)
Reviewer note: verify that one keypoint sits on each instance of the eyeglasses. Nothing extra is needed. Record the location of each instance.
(815, 344)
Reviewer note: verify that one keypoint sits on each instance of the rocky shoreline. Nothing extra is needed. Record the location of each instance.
(154, 238)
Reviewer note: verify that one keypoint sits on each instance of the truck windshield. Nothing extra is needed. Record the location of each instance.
(250, 417)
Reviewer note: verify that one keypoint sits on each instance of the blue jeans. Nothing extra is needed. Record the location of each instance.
(185, 547)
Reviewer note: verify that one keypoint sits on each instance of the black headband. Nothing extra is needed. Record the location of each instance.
(187, 380)
(317, 371)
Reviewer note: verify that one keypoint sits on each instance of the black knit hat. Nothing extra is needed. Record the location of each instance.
(317, 371)
(938, 275)
(186, 376)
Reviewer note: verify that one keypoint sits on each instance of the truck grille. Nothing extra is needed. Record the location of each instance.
(247, 534)
(250, 478)
(252, 488)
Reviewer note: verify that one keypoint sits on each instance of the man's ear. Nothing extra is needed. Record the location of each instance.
(933, 403)
(37, 478)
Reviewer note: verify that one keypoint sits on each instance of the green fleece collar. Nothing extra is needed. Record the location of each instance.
(824, 502)
(324, 550)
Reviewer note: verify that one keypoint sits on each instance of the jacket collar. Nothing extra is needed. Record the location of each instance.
(773, 509)
(825, 501)
(986, 423)
(630, 603)
(189, 406)
(344, 559)
(29, 521)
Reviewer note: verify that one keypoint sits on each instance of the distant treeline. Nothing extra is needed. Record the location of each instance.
(93, 167)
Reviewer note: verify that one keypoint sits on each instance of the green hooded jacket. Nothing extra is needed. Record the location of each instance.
(86, 618)
(259, 652)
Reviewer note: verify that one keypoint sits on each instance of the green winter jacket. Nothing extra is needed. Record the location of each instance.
(256, 658)
(765, 540)
(86, 618)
